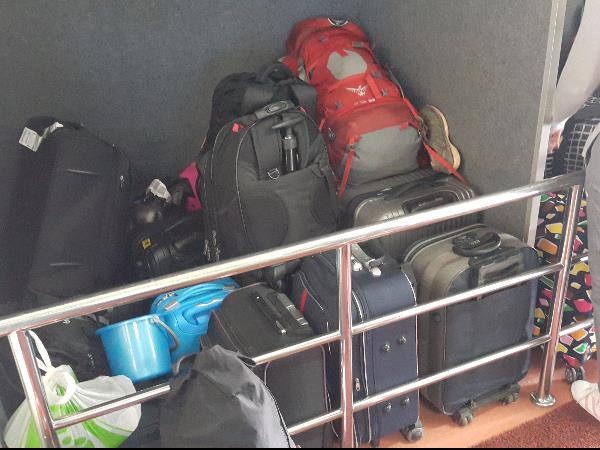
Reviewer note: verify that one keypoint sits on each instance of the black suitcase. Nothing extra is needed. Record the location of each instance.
(80, 190)
(455, 262)
(404, 195)
(382, 359)
(257, 320)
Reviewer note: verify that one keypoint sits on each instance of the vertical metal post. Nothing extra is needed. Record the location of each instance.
(32, 384)
(344, 258)
(543, 396)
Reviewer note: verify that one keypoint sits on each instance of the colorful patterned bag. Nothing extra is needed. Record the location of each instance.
(575, 349)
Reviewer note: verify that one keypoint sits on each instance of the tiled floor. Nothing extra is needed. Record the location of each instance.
(441, 432)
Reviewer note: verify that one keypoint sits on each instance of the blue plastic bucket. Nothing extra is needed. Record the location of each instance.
(139, 348)
(187, 313)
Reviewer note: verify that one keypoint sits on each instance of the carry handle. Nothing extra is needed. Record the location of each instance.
(192, 312)
(273, 109)
(271, 313)
(429, 203)
(397, 192)
(372, 265)
(177, 343)
(275, 72)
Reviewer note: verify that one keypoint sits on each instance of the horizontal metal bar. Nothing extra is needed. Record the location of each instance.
(111, 407)
(91, 304)
(316, 422)
(164, 389)
(297, 348)
(456, 299)
(446, 374)
(577, 327)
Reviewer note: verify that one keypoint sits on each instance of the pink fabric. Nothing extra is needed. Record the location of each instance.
(192, 204)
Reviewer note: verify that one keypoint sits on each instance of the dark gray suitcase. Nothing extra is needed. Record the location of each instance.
(400, 198)
(257, 320)
(79, 188)
(458, 334)
(382, 359)
(353, 192)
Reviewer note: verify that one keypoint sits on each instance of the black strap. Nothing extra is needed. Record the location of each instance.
(330, 178)
(274, 73)
(268, 149)
(306, 97)
(256, 96)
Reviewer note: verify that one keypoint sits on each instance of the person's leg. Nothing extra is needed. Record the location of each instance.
(587, 394)
(593, 192)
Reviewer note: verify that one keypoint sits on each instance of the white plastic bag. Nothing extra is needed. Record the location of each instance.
(67, 396)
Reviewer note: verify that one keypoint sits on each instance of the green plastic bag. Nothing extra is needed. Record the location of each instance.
(67, 396)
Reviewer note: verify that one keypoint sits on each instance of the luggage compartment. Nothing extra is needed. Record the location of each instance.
(141, 74)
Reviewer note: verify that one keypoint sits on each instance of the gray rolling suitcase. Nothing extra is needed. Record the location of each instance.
(419, 191)
(455, 262)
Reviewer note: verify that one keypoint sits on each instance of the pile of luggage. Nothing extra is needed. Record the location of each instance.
(324, 141)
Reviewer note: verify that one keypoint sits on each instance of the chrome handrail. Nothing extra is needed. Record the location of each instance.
(16, 326)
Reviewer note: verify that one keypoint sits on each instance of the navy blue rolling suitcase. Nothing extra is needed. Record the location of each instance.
(382, 359)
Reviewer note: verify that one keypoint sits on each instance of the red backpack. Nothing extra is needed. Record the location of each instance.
(372, 131)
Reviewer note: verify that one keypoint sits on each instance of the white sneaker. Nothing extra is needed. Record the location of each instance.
(588, 397)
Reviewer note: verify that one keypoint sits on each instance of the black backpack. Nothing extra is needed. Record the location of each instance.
(221, 403)
(266, 183)
(243, 93)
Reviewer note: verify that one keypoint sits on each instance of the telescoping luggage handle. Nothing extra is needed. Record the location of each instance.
(278, 319)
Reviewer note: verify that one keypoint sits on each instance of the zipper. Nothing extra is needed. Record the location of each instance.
(281, 419)
(361, 318)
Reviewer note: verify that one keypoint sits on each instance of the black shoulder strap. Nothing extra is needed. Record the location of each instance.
(306, 96)
(256, 96)
(268, 149)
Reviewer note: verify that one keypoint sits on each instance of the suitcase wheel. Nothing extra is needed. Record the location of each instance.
(414, 433)
(512, 398)
(575, 374)
(463, 417)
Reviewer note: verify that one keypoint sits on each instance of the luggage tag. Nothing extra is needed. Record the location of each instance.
(32, 140)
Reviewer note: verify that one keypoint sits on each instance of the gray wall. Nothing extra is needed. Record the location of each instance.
(138, 72)
(481, 62)
(141, 74)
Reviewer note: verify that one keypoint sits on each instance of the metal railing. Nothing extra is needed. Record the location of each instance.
(16, 327)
